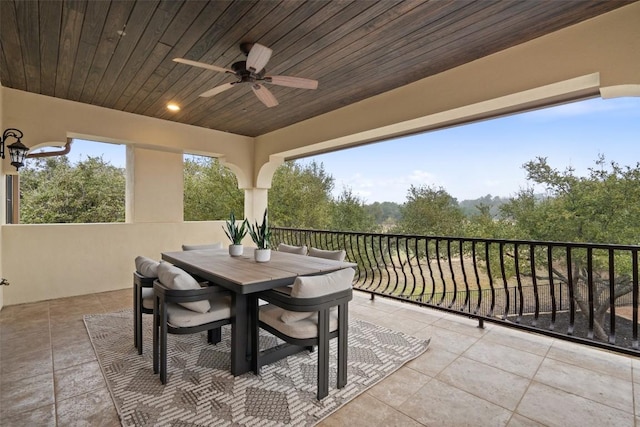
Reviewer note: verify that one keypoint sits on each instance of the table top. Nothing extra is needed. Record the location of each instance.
(244, 275)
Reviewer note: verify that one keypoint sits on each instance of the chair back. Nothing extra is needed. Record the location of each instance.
(298, 250)
(216, 245)
(337, 255)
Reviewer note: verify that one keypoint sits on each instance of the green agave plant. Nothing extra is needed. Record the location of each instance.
(261, 233)
(234, 232)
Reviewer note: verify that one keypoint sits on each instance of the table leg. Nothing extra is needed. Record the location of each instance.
(239, 335)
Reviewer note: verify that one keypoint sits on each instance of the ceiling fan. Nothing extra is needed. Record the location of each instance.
(252, 71)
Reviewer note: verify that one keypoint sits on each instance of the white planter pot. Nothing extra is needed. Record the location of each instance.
(236, 250)
(262, 255)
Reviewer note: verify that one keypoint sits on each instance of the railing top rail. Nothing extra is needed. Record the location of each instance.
(579, 245)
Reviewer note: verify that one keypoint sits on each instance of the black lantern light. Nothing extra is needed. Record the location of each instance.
(17, 150)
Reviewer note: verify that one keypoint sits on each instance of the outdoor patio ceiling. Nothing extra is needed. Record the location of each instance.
(118, 54)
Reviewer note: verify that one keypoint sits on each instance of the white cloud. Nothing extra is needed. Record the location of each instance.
(380, 188)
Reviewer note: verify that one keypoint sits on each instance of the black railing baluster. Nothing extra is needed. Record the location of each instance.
(534, 281)
(392, 262)
(378, 259)
(490, 276)
(635, 291)
(433, 281)
(398, 272)
(475, 270)
(374, 263)
(504, 282)
(590, 291)
(572, 299)
(364, 255)
(424, 282)
(612, 299)
(453, 276)
(465, 304)
(351, 255)
(552, 289)
(408, 262)
(401, 266)
(516, 255)
(444, 283)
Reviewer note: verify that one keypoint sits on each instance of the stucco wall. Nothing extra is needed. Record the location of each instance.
(61, 260)
(52, 261)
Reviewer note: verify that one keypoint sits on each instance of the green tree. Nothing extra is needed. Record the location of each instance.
(300, 196)
(602, 207)
(210, 190)
(385, 214)
(55, 191)
(431, 211)
(350, 214)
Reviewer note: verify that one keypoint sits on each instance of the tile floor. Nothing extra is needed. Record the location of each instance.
(495, 376)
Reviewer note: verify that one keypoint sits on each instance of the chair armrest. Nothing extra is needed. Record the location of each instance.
(188, 295)
(144, 281)
(306, 304)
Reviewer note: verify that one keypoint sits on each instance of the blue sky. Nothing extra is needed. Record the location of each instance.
(487, 157)
(475, 160)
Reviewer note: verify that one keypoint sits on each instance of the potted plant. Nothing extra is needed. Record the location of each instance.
(261, 236)
(235, 233)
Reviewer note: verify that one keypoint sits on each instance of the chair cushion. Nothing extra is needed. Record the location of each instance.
(304, 328)
(298, 250)
(338, 255)
(317, 286)
(146, 266)
(216, 245)
(147, 298)
(175, 278)
(181, 317)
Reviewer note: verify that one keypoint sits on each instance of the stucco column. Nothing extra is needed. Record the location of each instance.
(255, 202)
(256, 198)
(155, 186)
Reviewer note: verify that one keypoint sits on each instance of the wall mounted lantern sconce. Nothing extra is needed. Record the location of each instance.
(17, 150)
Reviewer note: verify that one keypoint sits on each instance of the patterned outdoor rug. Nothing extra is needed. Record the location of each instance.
(201, 391)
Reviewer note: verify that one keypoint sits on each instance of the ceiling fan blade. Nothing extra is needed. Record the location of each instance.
(258, 57)
(264, 95)
(202, 65)
(289, 81)
(218, 89)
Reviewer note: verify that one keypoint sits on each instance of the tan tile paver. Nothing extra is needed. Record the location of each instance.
(556, 408)
(468, 377)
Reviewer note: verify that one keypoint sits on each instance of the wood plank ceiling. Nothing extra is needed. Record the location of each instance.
(118, 54)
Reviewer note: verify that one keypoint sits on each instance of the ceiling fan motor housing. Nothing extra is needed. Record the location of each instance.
(240, 69)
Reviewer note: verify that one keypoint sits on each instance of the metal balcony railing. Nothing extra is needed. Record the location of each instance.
(575, 291)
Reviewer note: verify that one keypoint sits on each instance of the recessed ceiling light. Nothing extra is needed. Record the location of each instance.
(173, 107)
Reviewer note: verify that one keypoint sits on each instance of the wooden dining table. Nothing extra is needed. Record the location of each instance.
(245, 277)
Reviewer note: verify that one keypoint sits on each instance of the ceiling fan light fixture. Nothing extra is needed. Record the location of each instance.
(258, 57)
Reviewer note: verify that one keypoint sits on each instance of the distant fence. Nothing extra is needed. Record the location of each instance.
(567, 290)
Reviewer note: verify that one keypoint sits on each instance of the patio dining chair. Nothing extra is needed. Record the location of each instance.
(146, 272)
(315, 312)
(216, 245)
(182, 306)
(337, 255)
(298, 250)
